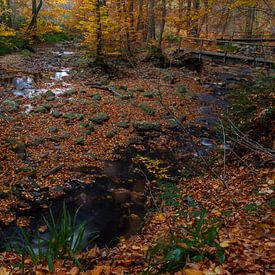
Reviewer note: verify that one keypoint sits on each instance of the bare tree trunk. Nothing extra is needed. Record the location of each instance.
(98, 30)
(250, 19)
(188, 17)
(163, 20)
(35, 10)
(140, 24)
(151, 33)
(195, 28)
(127, 35)
(180, 15)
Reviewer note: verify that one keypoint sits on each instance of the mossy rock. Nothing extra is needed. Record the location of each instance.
(69, 93)
(84, 101)
(172, 123)
(53, 129)
(169, 78)
(51, 98)
(87, 132)
(139, 89)
(149, 94)
(79, 141)
(96, 97)
(47, 106)
(87, 125)
(10, 106)
(111, 133)
(50, 94)
(143, 126)
(41, 109)
(65, 136)
(147, 109)
(123, 124)
(56, 113)
(73, 116)
(181, 88)
(122, 88)
(38, 141)
(100, 118)
(128, 95)
(20, 149)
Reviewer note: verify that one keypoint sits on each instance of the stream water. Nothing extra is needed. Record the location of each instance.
(114, 204)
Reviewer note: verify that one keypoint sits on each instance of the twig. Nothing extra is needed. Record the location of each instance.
(105, 89)
(53, 170)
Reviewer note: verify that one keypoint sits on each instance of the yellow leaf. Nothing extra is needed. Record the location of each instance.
(191, 271)
(4, 271)
(225, 244)
(217, 213)
(159, 217)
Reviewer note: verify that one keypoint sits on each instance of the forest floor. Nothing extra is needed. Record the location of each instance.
(65, 124)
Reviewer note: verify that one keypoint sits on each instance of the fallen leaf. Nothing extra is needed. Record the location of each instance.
(4, 271)
(159, 217)
(74, 271)
(97, 270)
(191, 271)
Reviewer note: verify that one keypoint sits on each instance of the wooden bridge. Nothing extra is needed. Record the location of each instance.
(262, 54)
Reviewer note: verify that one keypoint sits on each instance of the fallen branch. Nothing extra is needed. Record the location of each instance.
(94, 86)
(53, 170)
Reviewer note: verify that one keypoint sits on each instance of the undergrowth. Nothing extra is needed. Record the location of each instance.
(190, 241)
(252, 108)
(65, 238)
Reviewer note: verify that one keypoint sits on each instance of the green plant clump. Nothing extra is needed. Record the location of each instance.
(66, 238)
(187, 242)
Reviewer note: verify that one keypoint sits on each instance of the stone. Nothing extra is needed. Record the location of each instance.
(127, 96)
(123, 124)
(73, 116)
(96, 97)
(53, 129)
(120, 195)
(49, 94)
(111, 133)
(100, 118)
(181, 88)
(38, 141)
(10, 106)
(56, 113)
(144, 126)
(20, 150)
(149, 95)
(79, 141)
(40, 109)
(172, 123)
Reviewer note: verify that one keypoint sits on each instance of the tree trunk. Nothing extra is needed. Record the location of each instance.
(98, 30)
(250, 19)
(127, 35)
(195, 27)
(35, 10)
(140, 24)
(151, 33)
(163, 20)
(188, 17)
